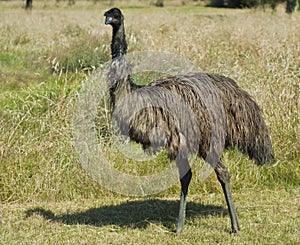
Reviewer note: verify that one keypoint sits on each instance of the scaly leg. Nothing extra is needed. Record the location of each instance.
(185, 178)
(224, 179)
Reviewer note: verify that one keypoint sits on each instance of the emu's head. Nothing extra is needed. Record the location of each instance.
(114, 17)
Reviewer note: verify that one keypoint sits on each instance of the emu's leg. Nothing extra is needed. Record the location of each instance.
(185, 178)
(224, 178)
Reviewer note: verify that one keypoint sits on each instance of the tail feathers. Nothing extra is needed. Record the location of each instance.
(262, 153)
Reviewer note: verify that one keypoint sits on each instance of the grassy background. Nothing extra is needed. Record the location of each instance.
(45, 195)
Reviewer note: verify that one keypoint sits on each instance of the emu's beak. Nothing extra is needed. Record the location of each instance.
(108, 20)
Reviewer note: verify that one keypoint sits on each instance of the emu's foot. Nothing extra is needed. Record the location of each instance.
(235, 230)
(179, 230)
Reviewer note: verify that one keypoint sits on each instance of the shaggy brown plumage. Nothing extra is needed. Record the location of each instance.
(190, 113)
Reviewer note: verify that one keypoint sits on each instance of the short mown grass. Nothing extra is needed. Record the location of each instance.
(46, 196)
(267, 217)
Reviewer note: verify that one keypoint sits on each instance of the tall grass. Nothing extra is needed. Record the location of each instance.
(45, 195)
(45, 55)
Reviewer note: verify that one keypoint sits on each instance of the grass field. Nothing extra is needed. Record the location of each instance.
(45, 195)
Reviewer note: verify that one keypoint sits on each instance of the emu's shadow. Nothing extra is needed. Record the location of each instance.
(135, 214)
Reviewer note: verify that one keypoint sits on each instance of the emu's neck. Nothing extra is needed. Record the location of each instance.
(118, 44)
(120, 83)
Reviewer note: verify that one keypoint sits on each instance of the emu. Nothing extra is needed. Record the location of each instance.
(244, 126)
(28, 4)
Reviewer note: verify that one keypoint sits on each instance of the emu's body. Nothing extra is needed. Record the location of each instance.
(185, 131)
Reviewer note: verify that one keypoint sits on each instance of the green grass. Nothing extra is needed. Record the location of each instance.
(46, 196)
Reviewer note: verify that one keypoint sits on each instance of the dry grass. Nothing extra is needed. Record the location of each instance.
(267, 218)
(39, 166)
